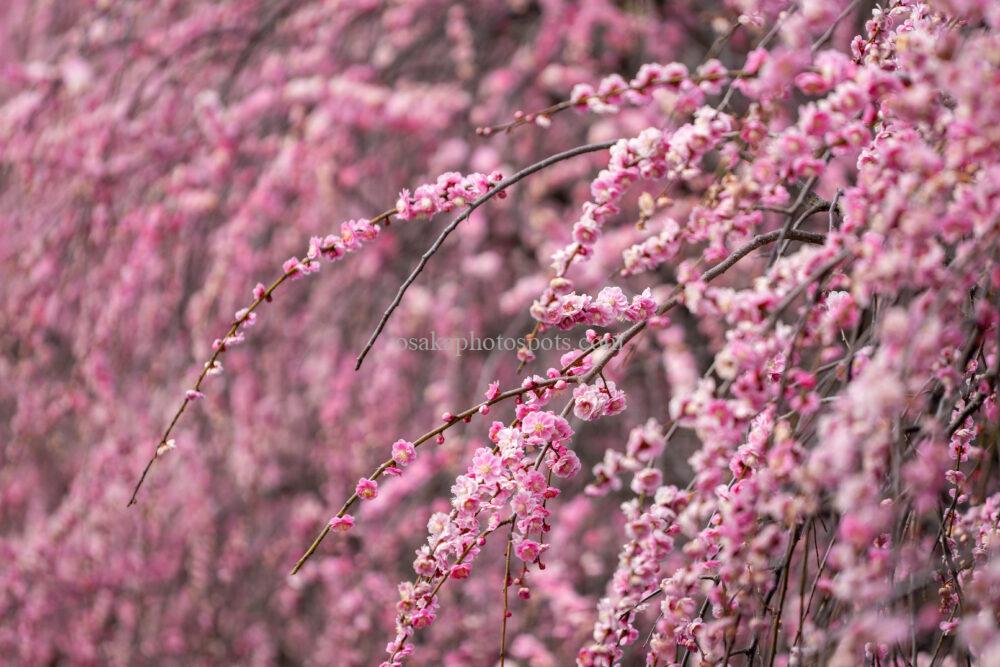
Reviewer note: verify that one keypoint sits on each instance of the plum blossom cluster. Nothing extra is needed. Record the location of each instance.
(650, 531)
(838, 124)
(404, 452)
(688, 88)
(644, 446)
(332, 247)
(451, 191)
(503, 485)
(686, 91)
(652, 155)
(654, 251)
(568, 309)
(593, 401)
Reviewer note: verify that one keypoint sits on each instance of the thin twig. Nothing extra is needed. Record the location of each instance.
(548, 112)
(764, 41)
(786, 571)
(506, 592)
(818, 44)
(793, 223)
(221, 349)
(817, 274)
(812, 588)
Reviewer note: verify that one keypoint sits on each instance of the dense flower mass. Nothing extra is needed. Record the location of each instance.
(745, 253)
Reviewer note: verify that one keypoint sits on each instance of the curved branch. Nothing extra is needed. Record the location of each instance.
(497, 189)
